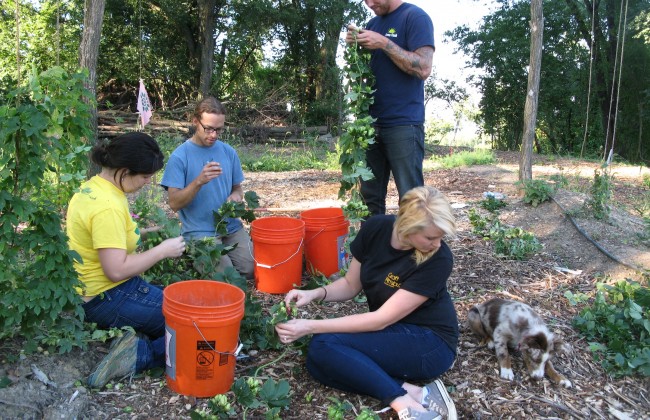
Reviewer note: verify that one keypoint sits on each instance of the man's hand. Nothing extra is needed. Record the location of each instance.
(365, 38)
(210, 171)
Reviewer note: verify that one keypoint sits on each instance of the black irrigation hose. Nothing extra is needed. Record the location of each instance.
(596, 244)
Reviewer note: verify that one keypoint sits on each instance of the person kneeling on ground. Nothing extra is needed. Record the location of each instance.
(410, 332)
(201, 175)
(101, 230)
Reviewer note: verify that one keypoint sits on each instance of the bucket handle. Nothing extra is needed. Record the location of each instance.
(274, 265)
(233, 353)
(314, 237)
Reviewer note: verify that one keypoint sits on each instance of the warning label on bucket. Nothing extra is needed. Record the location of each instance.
(205, 359)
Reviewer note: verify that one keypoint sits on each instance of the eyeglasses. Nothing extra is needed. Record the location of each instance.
(211, 130)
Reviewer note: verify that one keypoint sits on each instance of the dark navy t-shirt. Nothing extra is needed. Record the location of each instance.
(399, 97)
(385, 270)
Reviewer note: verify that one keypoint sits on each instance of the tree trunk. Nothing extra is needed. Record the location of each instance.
(88, 54)
(530, 109)
(207, 16)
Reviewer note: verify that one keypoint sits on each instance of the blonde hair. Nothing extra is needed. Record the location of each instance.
(421, 208)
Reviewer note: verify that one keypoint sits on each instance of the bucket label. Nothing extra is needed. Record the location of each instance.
(205, 359)
(342, 254)
(170, 352)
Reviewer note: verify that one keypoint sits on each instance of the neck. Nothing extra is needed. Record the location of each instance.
(398, 242)
(109, 175)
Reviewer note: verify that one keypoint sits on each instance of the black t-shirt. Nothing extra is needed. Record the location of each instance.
(385, 269)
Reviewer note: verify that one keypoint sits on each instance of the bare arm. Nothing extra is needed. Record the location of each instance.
(417, 63)
(394, 309)
(118, 265)
(180, 198)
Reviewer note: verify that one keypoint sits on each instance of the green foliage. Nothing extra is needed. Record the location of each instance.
(359, 132)
(280, 162)
(601, 194)
(464, 158)
(233, 210)
(500, 48)
(43, 127)
(646, 180)
(279, 313)
(508, 241)
(492, 204)
(250, 393)
(536, 191)
(617, 325)
(338, 409)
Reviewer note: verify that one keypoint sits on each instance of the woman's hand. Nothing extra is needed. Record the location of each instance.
(292, 330)
(302, 297)
(173, 247)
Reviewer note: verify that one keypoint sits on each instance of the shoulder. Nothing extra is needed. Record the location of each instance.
(378, 222)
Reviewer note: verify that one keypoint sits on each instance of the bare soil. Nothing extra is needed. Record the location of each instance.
(578, 252)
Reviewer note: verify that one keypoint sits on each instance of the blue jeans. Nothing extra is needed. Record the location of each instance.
(399, 150)
(138, 304)
(377, 363)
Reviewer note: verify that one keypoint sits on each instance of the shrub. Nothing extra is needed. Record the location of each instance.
(536, 191)
(601, 194)
(43, 130)
(617, 325)
(508, 241)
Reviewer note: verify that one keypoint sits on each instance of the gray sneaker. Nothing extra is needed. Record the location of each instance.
(409, 414)
(120, 360)
(439, 401)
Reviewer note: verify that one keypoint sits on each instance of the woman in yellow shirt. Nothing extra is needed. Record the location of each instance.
(100, 228)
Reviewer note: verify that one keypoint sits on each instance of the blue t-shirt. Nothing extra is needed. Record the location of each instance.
(184, 165)
(399, 97)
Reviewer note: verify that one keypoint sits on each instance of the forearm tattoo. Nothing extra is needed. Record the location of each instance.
(415, 63)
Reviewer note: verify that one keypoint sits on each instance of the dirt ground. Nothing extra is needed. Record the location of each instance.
(578, 252)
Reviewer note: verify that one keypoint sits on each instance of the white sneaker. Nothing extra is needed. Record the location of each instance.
(409, 414)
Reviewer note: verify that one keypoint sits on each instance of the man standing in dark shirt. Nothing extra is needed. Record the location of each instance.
(400, 37)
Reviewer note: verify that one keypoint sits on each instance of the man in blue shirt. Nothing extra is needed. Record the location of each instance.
(201, 175)
(400, 37)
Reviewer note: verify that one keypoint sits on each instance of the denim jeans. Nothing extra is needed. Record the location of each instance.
(377, 363)
(399, 150)
(138, 304)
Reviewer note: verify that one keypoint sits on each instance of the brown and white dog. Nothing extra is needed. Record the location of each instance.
(505, 323)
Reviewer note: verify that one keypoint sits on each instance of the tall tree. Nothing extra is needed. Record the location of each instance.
(207, 9)
(532, 93)
(88, 53)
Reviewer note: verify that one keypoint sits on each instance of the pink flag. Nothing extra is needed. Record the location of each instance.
(144, 106)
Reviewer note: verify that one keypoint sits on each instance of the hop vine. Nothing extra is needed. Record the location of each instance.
(358, 130)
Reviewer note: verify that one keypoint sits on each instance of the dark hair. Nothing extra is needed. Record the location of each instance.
(209, 105)
(136, 152)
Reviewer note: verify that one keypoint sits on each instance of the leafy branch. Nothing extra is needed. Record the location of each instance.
(358, 132)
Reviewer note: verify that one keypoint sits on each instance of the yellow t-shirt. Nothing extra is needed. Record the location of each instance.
(98, 217)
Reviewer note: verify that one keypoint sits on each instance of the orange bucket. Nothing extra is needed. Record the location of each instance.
(325, 233)
(277, 251)
(202, 320)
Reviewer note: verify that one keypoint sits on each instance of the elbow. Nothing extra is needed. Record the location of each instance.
(425, 73)
(114, 275)
(174, 205)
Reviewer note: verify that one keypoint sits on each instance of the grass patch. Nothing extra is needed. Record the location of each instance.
(258, 158)
(464, 158)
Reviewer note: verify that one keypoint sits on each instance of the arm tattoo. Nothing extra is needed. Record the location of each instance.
(415, 63)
